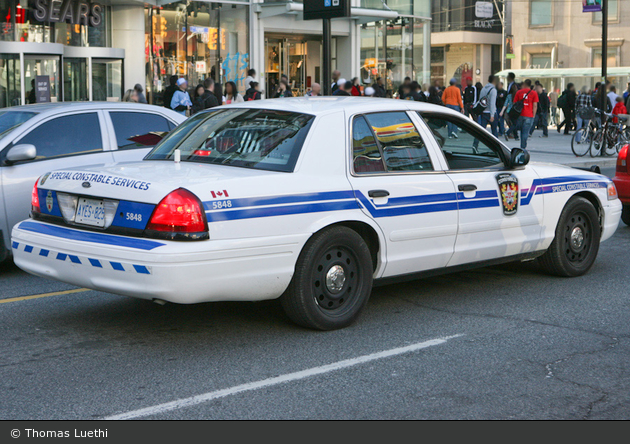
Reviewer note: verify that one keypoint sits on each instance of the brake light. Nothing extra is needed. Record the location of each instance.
(35, 198)
(623, 166)
(179, 213)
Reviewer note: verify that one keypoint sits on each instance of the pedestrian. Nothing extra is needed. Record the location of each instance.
(583, 108)
(181, 102)
(251, 76)
(553, 107)
(600, 97)
(486, 106)
(130, 96)
(197, 99)
(336, 75)
(417, 93)
(356, 87)
(470, 97)
(252, 93)
(139, 93)
(619, 108)
(209, 98)
(379, 88)
(542, 112)
(289, 92)
(343, 89)
(612, 95)
(501, 96)
(369, 92)
(529, 98)
(231, 93)
(434, 96)
(169, 91)
(452, 98)
(626, 93)
(405, 83)
(218, 93)
(567, 102)
(316, 90)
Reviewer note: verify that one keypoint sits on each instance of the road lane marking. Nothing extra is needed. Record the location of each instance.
(43, 295)
(289, 377)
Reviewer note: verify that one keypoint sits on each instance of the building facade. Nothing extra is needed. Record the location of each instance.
(557, 43)
(466, 41)
(97, 50)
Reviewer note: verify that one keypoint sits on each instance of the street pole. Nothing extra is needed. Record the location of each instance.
(327, 61)
(502, 18)
(603, 96)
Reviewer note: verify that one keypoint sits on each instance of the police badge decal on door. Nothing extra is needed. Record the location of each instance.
(508, 188)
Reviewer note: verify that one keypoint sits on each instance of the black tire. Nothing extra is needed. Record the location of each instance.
(582, 148)
(575, 246)
(625, 214)
(312, 300)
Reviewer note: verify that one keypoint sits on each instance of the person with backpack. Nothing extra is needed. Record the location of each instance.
(252, 93)
(567, 103)
(486, 107)
(526, 105)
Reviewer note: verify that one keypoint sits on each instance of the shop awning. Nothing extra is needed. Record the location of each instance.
(362, 15)
(565, 72)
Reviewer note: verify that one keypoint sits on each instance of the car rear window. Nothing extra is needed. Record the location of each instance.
(249, 138)
(12, 119)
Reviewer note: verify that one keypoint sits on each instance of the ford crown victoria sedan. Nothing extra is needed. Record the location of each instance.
(311, 200)
(42, 137)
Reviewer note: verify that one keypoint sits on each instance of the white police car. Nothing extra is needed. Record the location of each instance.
(311, 200)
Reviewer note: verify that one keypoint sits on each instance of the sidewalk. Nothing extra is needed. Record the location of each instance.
(557, 149)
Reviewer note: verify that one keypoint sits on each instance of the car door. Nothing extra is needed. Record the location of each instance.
(135, 133)
(400, 185)
(62, 141)
(495, 220)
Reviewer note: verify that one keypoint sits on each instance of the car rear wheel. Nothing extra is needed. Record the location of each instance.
(625, 214)
(332, 281)
(575, 246)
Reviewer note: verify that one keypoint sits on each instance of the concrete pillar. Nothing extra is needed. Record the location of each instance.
(128, 34)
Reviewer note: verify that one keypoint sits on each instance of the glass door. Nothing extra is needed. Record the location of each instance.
(40, 65)
(275, 64)
(297, 67)
(75, 80)
(10, 86)
(107, 80)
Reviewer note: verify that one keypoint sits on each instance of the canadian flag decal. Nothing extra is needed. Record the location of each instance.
(219, 194)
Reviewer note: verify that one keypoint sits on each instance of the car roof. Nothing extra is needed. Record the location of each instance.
(56, 107)
(328, 104)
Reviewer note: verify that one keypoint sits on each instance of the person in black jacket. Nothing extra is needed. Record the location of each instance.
(542, 112)
(169, 91)
(379, 88)
(252, 92)
(568, 110)
(209, 98)
(470, 97)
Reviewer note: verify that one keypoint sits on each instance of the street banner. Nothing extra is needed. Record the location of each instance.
(509, 47)
(591, 5)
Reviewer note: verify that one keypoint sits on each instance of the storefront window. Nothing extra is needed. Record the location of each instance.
(106, 80)
(420, 29)
(36, 65)
(372, 53)
(399, 52)
(10, 86)
(195, 41)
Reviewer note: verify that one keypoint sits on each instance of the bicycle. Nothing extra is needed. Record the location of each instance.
(615, 136)
(581, 140)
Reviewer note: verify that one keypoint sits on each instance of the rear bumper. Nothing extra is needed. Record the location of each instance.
(622, 182)
(182, 272)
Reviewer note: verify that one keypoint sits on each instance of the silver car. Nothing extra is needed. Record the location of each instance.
(35, 139)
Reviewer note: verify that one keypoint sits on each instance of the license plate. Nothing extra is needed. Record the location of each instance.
(90, 212)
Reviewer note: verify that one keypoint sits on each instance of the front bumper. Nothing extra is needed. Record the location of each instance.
(247, 269)
(612, 216)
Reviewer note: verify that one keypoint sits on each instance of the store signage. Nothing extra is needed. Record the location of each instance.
(591, 5)
(484, 10)
(42, 89)
(75, 12)
(200, 66)
(326, 9)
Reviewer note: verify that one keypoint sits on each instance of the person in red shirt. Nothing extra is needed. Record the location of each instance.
(619, 108)
(529, 97)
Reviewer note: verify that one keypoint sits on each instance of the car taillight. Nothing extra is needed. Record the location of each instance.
(179, 216)
(35, 198)
(623, 166)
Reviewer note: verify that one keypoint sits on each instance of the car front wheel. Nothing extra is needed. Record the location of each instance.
(332, 281)
(575, 246)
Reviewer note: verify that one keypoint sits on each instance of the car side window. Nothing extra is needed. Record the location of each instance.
(137, 129)
(66, 136)
(393, 140)
(462, 150)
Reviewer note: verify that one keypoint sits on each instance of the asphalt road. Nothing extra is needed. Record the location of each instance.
(530, 346)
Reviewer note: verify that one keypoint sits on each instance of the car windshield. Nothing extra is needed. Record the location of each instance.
(250, 138)
(12, 119)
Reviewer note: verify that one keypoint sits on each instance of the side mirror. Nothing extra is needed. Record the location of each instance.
(21, 152)
(518, 157)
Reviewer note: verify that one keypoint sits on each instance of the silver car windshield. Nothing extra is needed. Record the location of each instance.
(249, 138)
(10, 120)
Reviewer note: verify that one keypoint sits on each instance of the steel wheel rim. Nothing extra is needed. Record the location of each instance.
(336, 280)
(578, 237)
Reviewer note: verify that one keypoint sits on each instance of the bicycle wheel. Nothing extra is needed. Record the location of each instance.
(584, 145)
(596, 143)
(622, 140)
(613, 139)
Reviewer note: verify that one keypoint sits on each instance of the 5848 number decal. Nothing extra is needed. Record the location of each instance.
(134, 216)
(217, 205)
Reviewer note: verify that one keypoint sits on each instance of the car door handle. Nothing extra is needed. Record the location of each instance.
(467, 187)
(378, 193)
